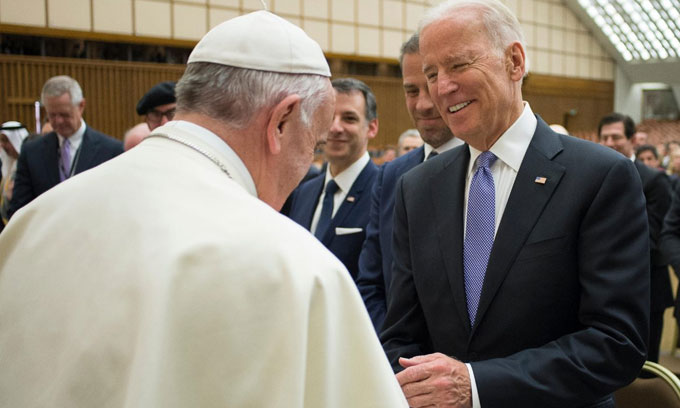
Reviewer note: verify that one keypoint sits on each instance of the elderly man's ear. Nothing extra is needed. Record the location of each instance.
(283, 120)
(516, 60)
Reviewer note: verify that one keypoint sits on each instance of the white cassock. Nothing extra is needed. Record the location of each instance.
(155, 280)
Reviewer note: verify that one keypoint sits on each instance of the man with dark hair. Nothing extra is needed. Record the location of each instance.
(71, 148)
(617, 131)
(649, 156)
(375, 262)
(334, 205)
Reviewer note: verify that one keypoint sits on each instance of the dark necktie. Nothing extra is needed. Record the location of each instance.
(326, 209)
(479, 231)
(431, 155)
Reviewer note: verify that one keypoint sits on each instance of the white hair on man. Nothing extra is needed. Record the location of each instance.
(59, 85)
(201, 89)
(410, 139)
(501, 24)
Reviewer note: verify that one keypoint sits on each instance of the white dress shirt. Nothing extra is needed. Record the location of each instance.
(454, 142)
(509, 149)
(344, 180)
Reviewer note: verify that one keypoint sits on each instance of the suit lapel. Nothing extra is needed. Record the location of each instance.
(309, 205)
(87, 150)
(525, 205)
(353, 196)
(51, 154)
(448, 195)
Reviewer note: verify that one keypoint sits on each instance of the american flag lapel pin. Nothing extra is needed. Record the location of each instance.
(540, 180)
(350, 199)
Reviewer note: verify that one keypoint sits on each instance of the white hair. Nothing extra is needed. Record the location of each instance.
(59, 85)
(501, 24)
(408, 133)
(234, 95)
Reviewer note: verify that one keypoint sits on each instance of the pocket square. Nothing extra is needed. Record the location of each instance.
(347, 231)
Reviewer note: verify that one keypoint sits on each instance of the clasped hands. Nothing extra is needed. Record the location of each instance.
(435, 380)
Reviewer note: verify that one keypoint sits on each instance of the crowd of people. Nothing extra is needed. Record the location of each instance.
(493, 262)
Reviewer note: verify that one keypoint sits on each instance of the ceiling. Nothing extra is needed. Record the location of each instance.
(643, 36)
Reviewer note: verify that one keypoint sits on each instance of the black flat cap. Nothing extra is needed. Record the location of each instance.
(161, 94)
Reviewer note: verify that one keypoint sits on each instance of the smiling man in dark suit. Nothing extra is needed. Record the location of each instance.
(375, 261)
(71, 148)
(334, 205)
(521, 259)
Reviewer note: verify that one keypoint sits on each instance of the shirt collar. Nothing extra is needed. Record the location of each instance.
(76, 138)
(453, 142)
(346, 178)
(240, 172)
(513, 144)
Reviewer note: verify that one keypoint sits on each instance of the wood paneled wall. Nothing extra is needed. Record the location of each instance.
(577, 104)
(112, 90)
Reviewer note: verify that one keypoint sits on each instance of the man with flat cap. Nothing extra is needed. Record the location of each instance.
(158, 104)
(197, 292)
(71, 148)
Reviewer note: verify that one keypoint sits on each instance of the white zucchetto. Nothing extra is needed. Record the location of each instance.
(262, 41)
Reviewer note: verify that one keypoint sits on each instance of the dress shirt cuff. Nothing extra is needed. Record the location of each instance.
(473, 387)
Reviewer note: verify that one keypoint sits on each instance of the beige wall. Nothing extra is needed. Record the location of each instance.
(557, 43)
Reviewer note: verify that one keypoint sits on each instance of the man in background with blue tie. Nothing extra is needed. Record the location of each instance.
(521, 259)
(375, 262)
(71, 148)
(334, 205)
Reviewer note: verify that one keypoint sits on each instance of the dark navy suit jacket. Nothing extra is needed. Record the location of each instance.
(375, 261)
(563, 317)
(353, 213)
(38, 168)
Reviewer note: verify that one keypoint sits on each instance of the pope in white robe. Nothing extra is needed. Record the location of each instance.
(179, 288)
(159, 279)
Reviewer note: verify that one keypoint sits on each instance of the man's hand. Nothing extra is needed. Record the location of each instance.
(435, 380)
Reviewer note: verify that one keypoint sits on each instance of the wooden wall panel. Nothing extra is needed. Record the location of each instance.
(111, 89)
(553, 98)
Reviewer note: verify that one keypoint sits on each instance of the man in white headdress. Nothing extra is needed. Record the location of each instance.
(166, 276)
(12, 135)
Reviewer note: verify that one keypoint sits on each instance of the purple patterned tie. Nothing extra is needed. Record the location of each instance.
(481, 220)
(65, 160)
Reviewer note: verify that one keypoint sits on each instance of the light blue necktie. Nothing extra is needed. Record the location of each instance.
(326, 209)
(481, 220)
(65, 160)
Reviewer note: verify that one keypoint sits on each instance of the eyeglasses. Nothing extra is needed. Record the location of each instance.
(156, 116)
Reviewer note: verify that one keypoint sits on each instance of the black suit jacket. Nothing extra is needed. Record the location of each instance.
(375, 261)
(353, 213)
(564, 310)
(657, 190)
(38, 167)
(670, 239)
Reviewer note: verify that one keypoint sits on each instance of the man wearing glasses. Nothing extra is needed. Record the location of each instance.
(158, 104)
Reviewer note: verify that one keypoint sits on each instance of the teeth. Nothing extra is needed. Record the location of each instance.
(458, 107)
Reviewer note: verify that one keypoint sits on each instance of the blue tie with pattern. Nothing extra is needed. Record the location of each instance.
(479, 235)
(326, 209)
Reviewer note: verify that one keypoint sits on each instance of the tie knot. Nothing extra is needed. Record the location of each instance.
(486, 159)
(331, 187)
(432, 154)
